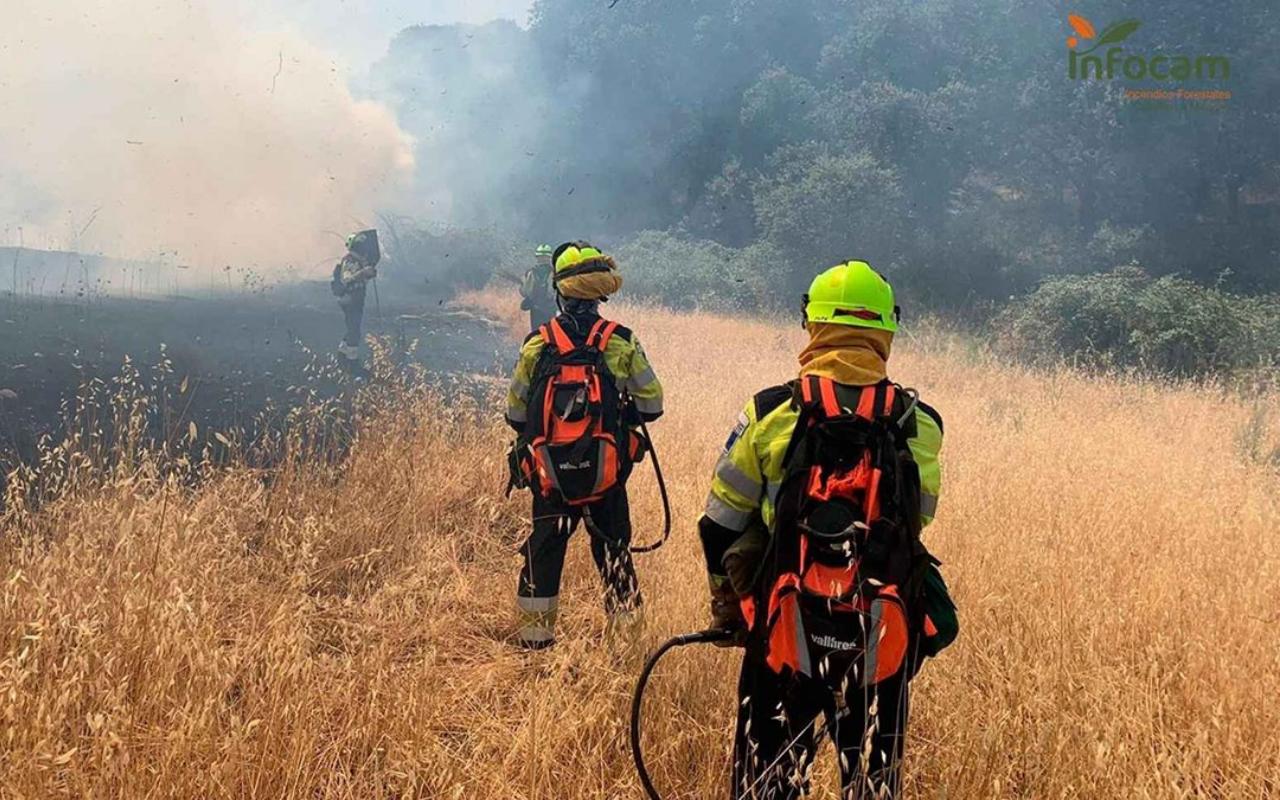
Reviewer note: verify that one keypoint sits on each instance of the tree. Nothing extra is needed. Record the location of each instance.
(821, 207)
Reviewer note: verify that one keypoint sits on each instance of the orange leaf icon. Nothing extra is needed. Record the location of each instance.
(1083, 26)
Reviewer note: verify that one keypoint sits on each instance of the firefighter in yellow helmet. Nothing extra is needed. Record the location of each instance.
(350, 277)
(537, 295)
(581, 387)
(812, 542)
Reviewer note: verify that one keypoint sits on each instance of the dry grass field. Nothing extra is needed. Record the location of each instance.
(1114, 551)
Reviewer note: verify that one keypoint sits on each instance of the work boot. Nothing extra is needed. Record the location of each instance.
(537, 621)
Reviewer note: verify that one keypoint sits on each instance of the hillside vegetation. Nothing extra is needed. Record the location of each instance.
(943, 141)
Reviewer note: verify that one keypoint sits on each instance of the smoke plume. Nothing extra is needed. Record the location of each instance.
(138, 128)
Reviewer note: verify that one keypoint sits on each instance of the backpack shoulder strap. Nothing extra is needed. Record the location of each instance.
(767, 400)
(600, 334)
(555, 336)
(819, 394)
(624, 333)
(807, 397)
(878, 401)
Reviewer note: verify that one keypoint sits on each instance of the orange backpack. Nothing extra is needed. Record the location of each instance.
(571, 442)
(841, 575)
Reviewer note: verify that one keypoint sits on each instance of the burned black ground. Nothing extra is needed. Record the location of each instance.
(237, 354)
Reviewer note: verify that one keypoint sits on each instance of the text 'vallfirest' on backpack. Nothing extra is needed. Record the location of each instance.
(570, 449)
(840, 583)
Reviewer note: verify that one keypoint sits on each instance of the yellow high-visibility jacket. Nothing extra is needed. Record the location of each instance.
(623, 356)
(749, 474)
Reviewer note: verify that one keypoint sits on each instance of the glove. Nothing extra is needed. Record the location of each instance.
(726, 613)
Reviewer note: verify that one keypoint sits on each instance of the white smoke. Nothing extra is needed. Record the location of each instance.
(135, 128)
(359, 31)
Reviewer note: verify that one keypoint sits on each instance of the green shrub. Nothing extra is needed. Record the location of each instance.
(825, 206)
(1127, 319)
(683, 272)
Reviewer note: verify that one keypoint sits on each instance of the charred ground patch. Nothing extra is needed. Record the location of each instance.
(232, 361)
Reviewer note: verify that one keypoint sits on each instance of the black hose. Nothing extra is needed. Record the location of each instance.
(662, 490)
(637, 700)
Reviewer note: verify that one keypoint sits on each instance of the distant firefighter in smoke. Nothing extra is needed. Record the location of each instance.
(350, 277)
(538, 296)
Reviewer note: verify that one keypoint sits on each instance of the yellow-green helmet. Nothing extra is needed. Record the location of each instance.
(854, 294)
(364, 245)
(578, 258)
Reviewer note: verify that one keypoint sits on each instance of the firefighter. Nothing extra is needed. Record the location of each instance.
(577, 445)
(755, 513)
(537, 292)
(350, 277)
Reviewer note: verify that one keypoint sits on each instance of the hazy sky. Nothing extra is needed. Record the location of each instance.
(358, 30)
(212, 130)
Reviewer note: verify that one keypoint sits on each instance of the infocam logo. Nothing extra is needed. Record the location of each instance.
(1116, 62)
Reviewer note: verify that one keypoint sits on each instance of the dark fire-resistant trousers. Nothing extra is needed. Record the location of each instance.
(539, 590)
(353, 314)
(774, 745)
